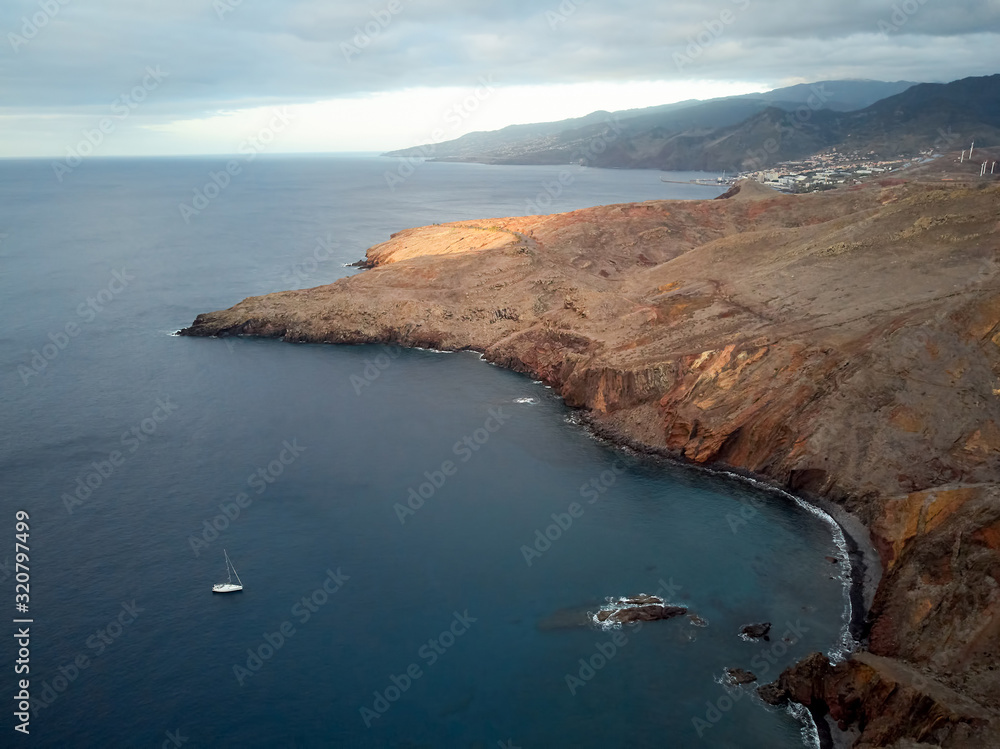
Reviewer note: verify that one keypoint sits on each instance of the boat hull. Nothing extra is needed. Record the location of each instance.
(226, 588)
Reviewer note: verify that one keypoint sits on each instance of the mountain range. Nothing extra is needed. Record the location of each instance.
(749, 132)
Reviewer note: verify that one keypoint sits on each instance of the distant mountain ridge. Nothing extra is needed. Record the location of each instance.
(748, 132)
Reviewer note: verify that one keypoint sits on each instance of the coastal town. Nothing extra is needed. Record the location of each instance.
(827, 170)
(834, 168)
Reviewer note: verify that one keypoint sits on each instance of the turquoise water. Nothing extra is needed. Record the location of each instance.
(371, 618)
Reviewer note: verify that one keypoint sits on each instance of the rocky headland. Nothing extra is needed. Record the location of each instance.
(844, 346)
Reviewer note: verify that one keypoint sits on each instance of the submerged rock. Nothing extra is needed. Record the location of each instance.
(640, 608)
(740, 676)
(650, 613)
(569, 618)
(756, 631)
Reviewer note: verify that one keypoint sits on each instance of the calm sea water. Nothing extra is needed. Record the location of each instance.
(126, 444)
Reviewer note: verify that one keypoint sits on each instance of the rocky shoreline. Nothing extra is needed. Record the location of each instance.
(865, 566)
(844, 348)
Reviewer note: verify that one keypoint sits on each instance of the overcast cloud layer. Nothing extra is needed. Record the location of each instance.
(64, 63)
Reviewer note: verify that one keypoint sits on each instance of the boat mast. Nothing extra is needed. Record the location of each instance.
(230, 565)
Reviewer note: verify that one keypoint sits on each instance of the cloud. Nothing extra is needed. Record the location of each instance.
(71, 58)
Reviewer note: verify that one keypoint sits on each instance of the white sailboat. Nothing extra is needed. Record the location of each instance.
(230, 586)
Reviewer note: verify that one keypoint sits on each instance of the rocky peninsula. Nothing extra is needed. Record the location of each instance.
(844, 346)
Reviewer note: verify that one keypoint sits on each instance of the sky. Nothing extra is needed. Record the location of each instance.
(172, 77)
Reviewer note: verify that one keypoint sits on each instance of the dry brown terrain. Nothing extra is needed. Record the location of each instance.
(844, 345)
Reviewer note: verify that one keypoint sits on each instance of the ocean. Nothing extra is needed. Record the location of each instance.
(419, 534)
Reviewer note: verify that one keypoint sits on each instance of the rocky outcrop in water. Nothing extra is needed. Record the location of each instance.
(756, 631)
(642, 608)
(740, 676)
(844, 346)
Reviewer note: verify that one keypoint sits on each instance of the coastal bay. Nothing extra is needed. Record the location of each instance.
(842, 346)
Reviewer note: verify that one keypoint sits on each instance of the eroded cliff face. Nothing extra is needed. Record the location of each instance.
(884, 702)
(844, 345)
(939, 604)
(931, 673)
